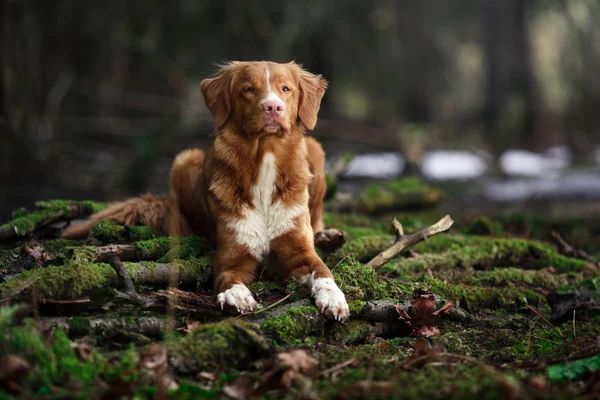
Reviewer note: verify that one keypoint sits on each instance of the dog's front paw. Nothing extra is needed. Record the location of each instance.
(238, 297)
(330, 239)
(329, 299)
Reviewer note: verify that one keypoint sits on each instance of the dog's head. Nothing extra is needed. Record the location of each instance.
(263, 98)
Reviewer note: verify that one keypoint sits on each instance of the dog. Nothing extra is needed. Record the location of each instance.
(258, 190)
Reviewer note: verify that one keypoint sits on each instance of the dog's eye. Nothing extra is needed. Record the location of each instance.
(285, 89)
(249, 89)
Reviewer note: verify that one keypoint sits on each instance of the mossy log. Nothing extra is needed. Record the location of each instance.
(106, 326)
(46, 213)
(75, 279)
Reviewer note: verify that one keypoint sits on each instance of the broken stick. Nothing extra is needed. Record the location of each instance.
(404, 241)
(128, 292)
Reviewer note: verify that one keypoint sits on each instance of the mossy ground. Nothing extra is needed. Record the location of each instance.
(494, 268)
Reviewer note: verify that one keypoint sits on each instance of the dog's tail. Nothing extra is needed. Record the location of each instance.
(158, 212)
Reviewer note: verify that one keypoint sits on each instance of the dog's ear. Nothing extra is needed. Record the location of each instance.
(217, 95)
(312, 89)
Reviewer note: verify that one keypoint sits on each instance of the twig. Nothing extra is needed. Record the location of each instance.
(403, 241)
(341, 261)
(284, 298)
(574, 332)
(337, 367)
(76, 301)
(19, 290)
(129, 294)
(539, 314)
(566, 249)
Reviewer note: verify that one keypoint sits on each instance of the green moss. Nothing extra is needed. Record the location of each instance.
(362, 249)
(7, 257)
(24, 225)
(574, 370)
(399, 194)
(483, 253)
(474, 298)
(108, 231)
(85, 207)
(198, 270)
(155, 248)
(56, 370)
(186, 248)
(79, 253)
(484, 226)
(140, 232)
(226, 345)
(259, 288)
(56, 246)
(352, 274)
(294, 324)
(68, 281)
(25, 222)
(356, 306)
(352, 331)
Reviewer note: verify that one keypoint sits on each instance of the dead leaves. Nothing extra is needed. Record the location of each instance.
(39, 255)
(154, 361)
(421, 315)
(12, 370)
(296, 368)
(288, 368)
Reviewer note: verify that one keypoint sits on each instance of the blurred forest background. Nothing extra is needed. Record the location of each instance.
(97, 97)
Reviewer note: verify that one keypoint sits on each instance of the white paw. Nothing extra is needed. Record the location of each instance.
(238, 297)
(329, 299)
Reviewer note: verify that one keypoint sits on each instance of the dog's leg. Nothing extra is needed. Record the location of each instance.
(326, 239)
(318, 185)
(296, 252)
(234, 268)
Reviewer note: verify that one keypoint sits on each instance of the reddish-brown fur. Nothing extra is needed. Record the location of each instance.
(211, 190)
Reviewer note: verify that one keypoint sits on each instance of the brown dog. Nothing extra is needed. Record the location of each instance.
(258, 189)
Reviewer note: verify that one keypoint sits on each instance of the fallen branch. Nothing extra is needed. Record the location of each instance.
(43, 217)
(566, 249)
(402, 241)
(129, 294)
(198, 305)
(107, 327)
(267, 308)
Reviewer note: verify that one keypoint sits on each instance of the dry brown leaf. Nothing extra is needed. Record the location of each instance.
(190, 325)
(423, 354)
(12, 370)
(154, 359)
(38, 253)
(422, 315)
(537, 382)
(83, 351)
(209, 376)
(286, 368)
(590, 270)
(241, 389)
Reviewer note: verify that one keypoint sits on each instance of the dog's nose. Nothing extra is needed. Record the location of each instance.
(274, 107)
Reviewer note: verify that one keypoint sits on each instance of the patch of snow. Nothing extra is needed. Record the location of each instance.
(576, 184)
(446, 164)
(376, 165)
(527, 163)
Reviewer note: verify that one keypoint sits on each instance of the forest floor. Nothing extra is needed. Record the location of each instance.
(497, 307)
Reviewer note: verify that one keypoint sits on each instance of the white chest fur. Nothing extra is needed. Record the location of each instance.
(268, 219)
